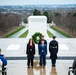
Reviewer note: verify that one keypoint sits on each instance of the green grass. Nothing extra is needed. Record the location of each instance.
(7, 36)
(24, 35)
(49, 34)
(64, 34)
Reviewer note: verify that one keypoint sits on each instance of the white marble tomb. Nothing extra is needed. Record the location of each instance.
(37, 24)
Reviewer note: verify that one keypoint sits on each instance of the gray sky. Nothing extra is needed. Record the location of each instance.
(34, 2)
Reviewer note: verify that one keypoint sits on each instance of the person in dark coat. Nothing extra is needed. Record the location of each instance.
(30, 52)
(74, 66)
(4, 61)
(42, 49)
(42, 38)
(53, 49)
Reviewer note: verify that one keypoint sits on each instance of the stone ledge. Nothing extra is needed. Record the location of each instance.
(37, 58)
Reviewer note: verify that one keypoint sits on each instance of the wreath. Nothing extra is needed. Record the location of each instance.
(36, 37)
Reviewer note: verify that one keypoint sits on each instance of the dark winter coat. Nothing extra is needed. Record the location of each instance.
(74, 66)
(53, 49)
(30, 51)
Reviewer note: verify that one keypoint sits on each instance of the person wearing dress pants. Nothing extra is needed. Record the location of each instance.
(42, 49)
(53, 49)
(30, 51)
(74, 66)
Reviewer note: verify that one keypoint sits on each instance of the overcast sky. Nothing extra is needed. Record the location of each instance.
(34, 2)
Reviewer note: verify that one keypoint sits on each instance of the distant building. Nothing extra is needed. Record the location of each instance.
(52, 24)
(22, 24)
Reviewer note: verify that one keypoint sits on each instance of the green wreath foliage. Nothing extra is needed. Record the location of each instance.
(36, 37)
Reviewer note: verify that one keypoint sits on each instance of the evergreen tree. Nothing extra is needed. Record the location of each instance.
(47, 15)
(36, 12)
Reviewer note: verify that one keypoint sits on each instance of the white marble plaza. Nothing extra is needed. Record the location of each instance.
(16, 47)
(19, 67)
(13, 47)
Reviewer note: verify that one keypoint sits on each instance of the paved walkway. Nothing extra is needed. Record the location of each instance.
(55, 33)
(19, 67)
(16, 35)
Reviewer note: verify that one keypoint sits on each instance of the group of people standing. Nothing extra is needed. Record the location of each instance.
(42, 51)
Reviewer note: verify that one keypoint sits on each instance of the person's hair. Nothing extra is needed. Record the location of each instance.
(54, 37)
(29, 41)
(0, 50)
(42, 36)
(42, 40)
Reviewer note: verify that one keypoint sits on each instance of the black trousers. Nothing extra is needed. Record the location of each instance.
(42, 60)
(3, 69)
(53, 62)
(30, 61)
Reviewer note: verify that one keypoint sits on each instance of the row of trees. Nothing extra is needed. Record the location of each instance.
(7, 21)
(37, 12)
(64, 20)
(67, 22)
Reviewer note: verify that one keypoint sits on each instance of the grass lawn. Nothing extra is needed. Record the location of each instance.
(8, 35)
(24, 35)
(60, 32)
(49, 34)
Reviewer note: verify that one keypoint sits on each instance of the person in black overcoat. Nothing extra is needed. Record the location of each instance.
(74, 66)
(53, 49)
(30, 51)
(42, 38)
